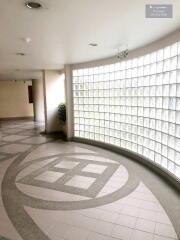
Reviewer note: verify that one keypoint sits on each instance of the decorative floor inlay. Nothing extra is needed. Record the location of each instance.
(51, 190)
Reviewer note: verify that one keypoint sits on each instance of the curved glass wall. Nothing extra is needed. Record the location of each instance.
(133, 104)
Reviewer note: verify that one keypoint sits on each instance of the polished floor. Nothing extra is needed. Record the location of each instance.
(55, 190)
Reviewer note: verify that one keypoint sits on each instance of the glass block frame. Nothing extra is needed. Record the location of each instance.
(133, 104)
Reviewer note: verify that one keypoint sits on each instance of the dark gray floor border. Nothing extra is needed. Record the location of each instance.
(166, 175)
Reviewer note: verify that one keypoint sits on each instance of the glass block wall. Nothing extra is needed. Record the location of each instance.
(133, 104)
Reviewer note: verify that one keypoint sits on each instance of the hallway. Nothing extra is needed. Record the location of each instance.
(55, 190)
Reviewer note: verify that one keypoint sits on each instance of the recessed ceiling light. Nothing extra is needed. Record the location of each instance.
(26, 39)
(33, 5)
(20, 54)
(93, 44)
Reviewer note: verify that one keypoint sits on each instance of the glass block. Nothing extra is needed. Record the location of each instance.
(153, 57)
(165, 115)
(140, 71)
(134, 147)
(171, 142)
(152, 123)
(167, 65)
(107, 139)
(167, 52)
(178, 90)
(172, 103)
(171, 167)
(158, 113)
(140, 149)
(151, 144)
(177, 171)
(146, 152)
(77, 134)
(147, 59)
(178, 46)
(172, 116)
(177, 131)
(158, 158)
(75, 73)
(172, 90)
(152, 91)
(140, 61)
(160, 55)
(164, 139)
(160, 67)
(164, 162)
(171, 154)
(165, 102)
(97, 137)
(152, 134)
(178, 64)
(164, 150)
(172, 128)
(166, 78)
(123, 65)
(165, 127)
(178, 104)
(158, 147)
(81, 134)
(174, 49)
(177, 144)
(153, 68)
(159, 79)
(117, 67)
(91, 136)
(177, 158)
(173, 63)
(159, 102)
(159, 90)
(146, 69)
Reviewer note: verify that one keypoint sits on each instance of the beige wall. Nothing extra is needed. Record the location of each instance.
(38, 97)
(14, 100)
(54, 94)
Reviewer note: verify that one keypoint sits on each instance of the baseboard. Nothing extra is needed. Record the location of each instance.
(17, 118)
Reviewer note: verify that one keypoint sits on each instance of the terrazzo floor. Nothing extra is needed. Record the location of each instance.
(55, 190)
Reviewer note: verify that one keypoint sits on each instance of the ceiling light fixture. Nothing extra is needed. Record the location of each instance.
(93, 44)
(26, 39)
(33, 5)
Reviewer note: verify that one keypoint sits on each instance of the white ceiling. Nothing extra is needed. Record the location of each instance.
(61, 32)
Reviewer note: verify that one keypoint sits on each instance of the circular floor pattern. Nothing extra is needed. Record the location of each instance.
(71, 180)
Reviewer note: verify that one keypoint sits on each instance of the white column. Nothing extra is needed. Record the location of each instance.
(54, 94)
(69, 102)
(38, 97)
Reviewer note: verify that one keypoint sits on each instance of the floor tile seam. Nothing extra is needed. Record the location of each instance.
(164, 235)
(126, 215)
(138, 214)
(145, 208)
(84, 228)
(140, 199)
